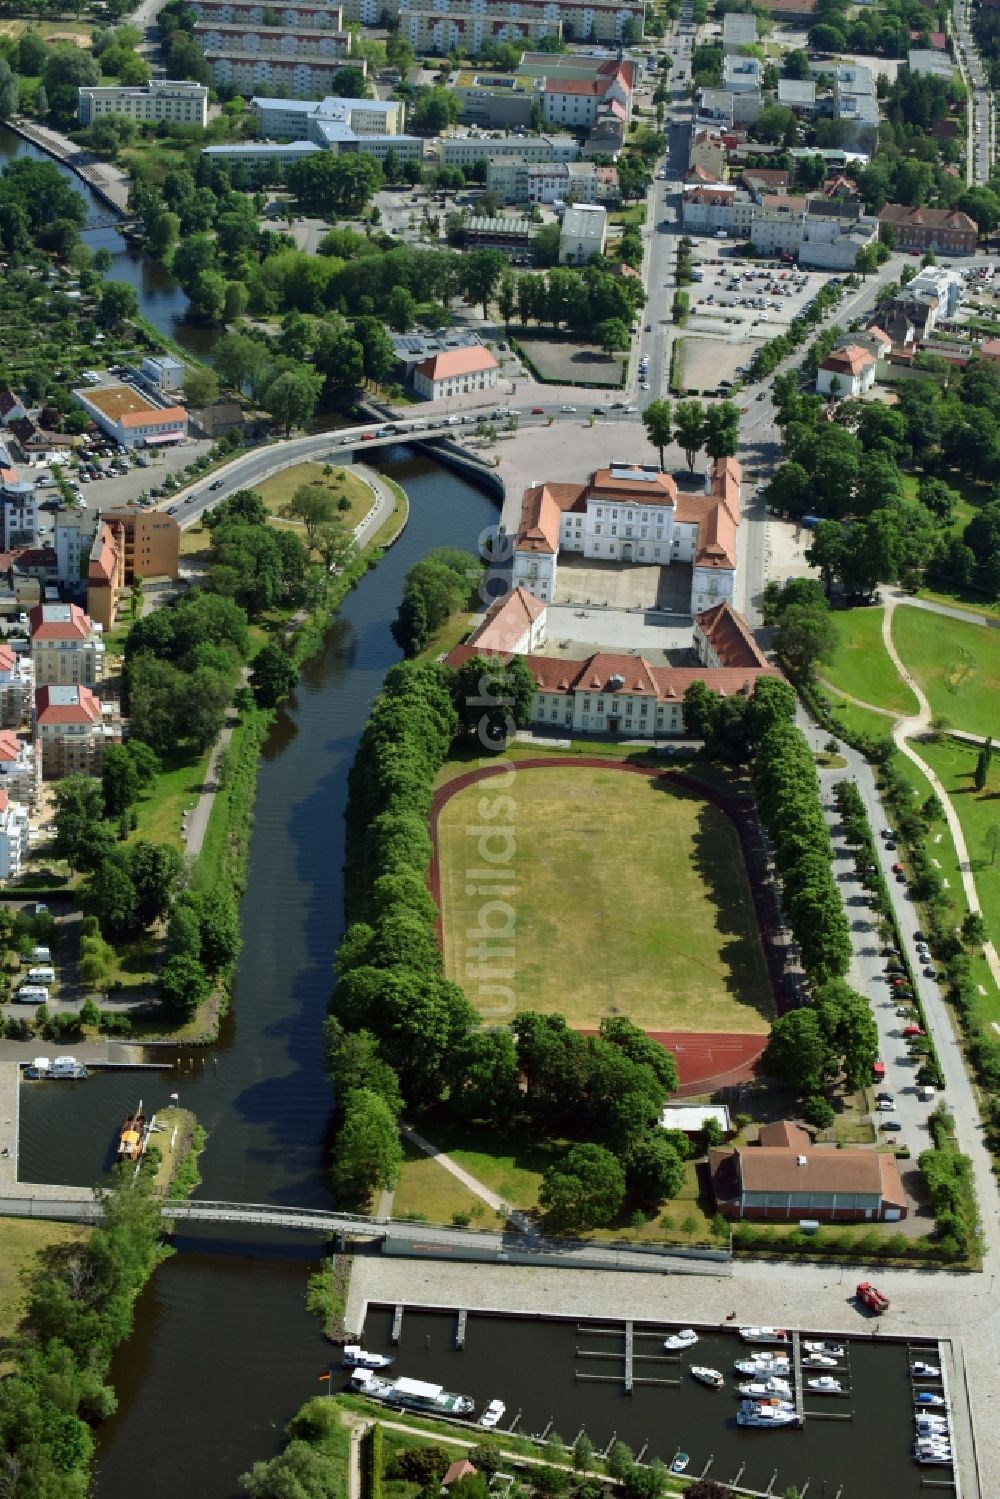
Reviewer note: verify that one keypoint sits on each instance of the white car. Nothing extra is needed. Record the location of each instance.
(570, 410)
(887, 1105)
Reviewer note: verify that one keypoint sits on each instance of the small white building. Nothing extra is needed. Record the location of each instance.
(13, 837)
(20, 768)
(131, 418)
(456, 372)
(513, 625)
(692, 1118)
(846, 373)
(583, 233)
(739, 30)
(163, 371)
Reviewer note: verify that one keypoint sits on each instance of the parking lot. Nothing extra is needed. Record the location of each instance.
(737, 296)
(122, 477)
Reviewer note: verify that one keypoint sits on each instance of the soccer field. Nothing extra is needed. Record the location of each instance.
(631, 898)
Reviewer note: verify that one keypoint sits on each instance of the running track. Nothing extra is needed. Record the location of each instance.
(706, 1060)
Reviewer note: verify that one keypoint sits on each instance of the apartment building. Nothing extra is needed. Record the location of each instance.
(603, 21)
(13, 837)
(251, 12)
(466, 150)
(160, 99)
(18, 510)
(67, 647)
(944, 230)
(300, 77)
(150, 542)
(925, 62)
(17, 680)
(552, 182)
(104, 564)
(442, 31)
(739, 30)
(71, 728)
(583, 233)
(239, 38)
(741, 75)
(20, 768)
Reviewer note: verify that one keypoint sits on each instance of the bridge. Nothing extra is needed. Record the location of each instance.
(397, 1238)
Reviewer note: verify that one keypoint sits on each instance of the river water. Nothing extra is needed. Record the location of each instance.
(224, 1351)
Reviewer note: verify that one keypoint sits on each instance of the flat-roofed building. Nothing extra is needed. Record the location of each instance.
(20, 767)
(583, 233)
(238, 38)
(442, 31)
(161, 99)
(13, 837)
(739, 30)
(466, 150)
(291, 12)
(294, 119)
(254, 72)
(131, 418)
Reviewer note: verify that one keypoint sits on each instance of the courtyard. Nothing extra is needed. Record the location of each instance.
(586, 580)
(630, 896)
(576, 633)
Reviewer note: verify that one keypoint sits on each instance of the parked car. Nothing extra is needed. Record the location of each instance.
(913, 1030)
(892, 1125)
(538, 411)
(887, 1105)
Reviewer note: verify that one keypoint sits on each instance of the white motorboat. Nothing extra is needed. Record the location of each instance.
(763, 1389)
(711, 1377)
(825, 1385)
(920, 1370)
(835, 1350)
(493, 1414)
(931, 1426)
(356, 1357)
(763, 1363)
(927, 1397)
(686, 1337)
(763, 1335)
(942, 1459)
(766, 1413)
(819, 1361)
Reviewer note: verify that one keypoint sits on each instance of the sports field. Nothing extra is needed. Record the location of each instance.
(957, 665)
(630, 898)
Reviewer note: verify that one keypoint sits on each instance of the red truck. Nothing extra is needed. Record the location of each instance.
(878, 1072)
(871, 1297)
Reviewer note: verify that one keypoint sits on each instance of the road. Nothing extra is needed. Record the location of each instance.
(981, 147)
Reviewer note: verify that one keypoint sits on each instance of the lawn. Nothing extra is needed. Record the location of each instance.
(631, 898)
(429, 1192)
(277, 491)
(21, 1241)
(511, 1164)
(862, 666)
(451, 633)
(973, 497)
(956, 664)
(177, 790)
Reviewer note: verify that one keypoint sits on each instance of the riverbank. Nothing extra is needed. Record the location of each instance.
(107, 182)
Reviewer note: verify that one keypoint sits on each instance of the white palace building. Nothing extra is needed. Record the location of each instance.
(634, 514)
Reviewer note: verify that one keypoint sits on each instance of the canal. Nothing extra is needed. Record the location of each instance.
(224, 1351)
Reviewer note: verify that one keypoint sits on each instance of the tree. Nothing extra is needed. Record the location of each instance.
(657, 421)
(154, 869)
(975, 932)
(722, 430)
(273, 675)
(803, 637)
(493, 699)
(113, 896)
(182, 986)
(119, 302)
(292, 395)
(613, 334)
(201, 385)
(10, 91)
(401, 309)
(367, 1152)
(314, 506)
(119, 779)
(797, 1052)
(654, 1169)
(585, 1189)
(689, 429)
(242, 361)
(82, 837)
(506, 297)
(481, 273)
(583, 1453)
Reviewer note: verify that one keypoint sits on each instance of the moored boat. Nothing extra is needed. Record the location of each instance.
(680, 1462)
(925, 1371)
(926, 1397)
(133, 1136)
(766, 1413)
(763, 1363)
(764, 1334)
(685, 1337)
(763, 1389)
(825, 1384)
(713, 1378)
(356, 1357)
(412, 1394)
(835, 1350)
(493, 1414)
(819, 1361)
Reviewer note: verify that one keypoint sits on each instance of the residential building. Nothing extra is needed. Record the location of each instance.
(20, 768)
(785, 1176)
(779, 224)
(833, 232)
(582, 20)
(846, 372)
(707, 210)
(741, 75)
(12, 408)
(716, 105)
(441, 30)
(552, 182)
(301, 77)
(303, 119)
(131, 418)
(67, 647)
(629, 513)
(760, 181)
(946, 231)
(928, 63)
(513, 625)
(18, 511)
(162, 372)
(455, 373)
(150, 542)
(583, 233)
(13, 837)
(240, 39)
(17, 680)
(708, 152)
(606, 139)
(74, 532)
(291, 12)
(169, 99)
(798, 94)
(39, 444)
(947, 286)
(105, 572)
(577, 90)
(71, 728)
(739, 30)
(466, 150)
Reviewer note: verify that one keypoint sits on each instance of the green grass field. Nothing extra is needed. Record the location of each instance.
(973, 497)
(21, 1241)
(956, 664)
(428, 1191)
(277, 491)
(861, 720)
(177, 790)
(862, 667)
(631, 898)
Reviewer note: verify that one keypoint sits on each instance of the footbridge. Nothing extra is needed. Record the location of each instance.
(395, 1237)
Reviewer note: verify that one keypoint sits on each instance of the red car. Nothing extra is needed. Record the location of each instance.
(537, 411)
(897, 869)
(913, 1030)
(871, 1297)
(368, 437)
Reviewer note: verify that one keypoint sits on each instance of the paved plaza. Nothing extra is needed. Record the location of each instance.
(574, 634)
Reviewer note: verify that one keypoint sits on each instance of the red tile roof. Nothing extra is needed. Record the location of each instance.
(640, 679)
(506, 621)
(573, 86)
(730, 636)
(86, 708)
(848, 361)
(44, 627)
(541, 508)
(8, 659)
(453, 362)
(10, 745)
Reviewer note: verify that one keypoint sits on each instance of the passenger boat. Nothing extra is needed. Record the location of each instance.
(819, 1361)
(825, 1385)
(766, 1413)
(133, 1136)
(412, 1394)
(685, 1338)
(711, 1377)
(680, 1462)
(763, 1363)
(763, 1389)
(493, 1414)
(67, 1067)
(925, 1371)
(764, 1335)
(356, 1357)
(38, 1067)
(835, 1350)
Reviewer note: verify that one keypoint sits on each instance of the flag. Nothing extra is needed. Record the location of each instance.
(321, 1377)
(174, 1097)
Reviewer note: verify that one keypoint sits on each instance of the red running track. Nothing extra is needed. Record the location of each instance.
(706, 1060)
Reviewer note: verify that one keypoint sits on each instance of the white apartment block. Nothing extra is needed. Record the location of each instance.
(741, 75)
(251, 12)
(301, 119)
(302, 77)
(160, 99)
(20, 768)
(74, 536)
(466, 150)
(552, 182)
(13, 837)
(603, 21)
(17, 682)
(237, 39)
(583, 233)
(739, 30)
(440, 32)
(18, 512)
